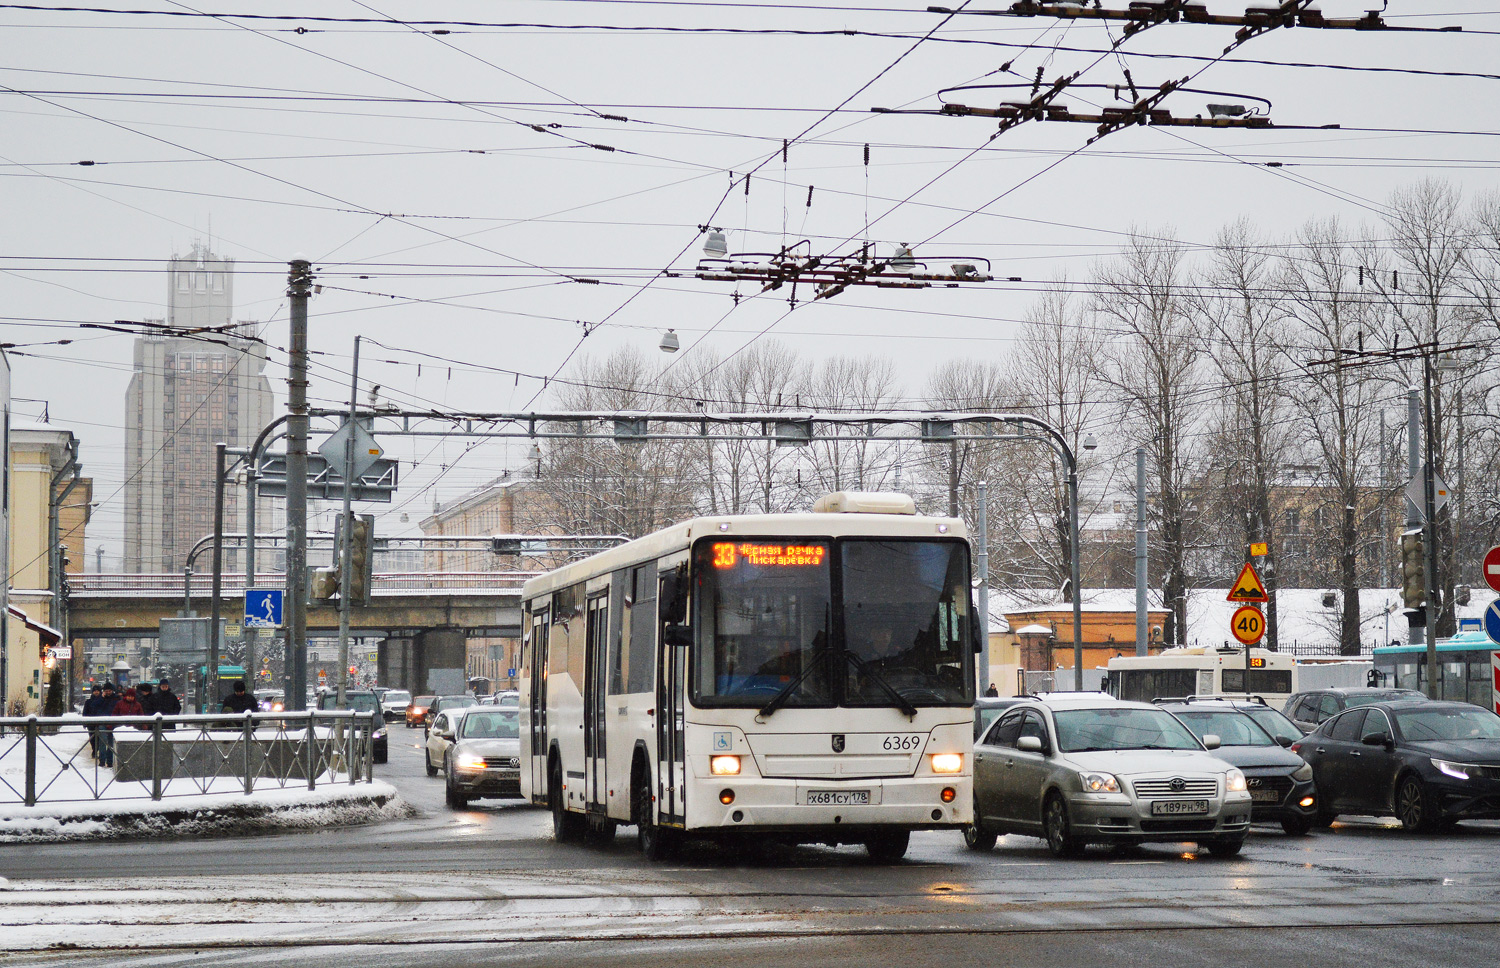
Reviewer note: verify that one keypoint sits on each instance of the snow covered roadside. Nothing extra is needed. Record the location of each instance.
(214, 813)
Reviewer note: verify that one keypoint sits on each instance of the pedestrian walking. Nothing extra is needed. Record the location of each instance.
(94, 706)
(167, 702)
(239, 701)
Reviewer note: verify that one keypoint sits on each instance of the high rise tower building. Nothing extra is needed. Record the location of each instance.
(188, 393)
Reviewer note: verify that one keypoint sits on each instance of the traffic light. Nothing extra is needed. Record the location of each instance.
(361, 559)
(1413, 570)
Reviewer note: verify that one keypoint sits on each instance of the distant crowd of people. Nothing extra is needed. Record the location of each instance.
(141, 700)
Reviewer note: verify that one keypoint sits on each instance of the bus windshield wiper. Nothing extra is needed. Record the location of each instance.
(818, 657)
(863, 667)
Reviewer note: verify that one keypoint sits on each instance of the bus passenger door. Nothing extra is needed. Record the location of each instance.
(595, 671)
(541, 622)
(671, 712)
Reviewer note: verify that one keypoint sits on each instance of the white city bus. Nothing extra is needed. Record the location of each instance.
(793, 677)
(1204, 671)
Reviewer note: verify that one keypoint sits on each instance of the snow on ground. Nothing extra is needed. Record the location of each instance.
(78, 799)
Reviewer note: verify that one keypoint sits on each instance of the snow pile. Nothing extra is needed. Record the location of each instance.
(215, 813)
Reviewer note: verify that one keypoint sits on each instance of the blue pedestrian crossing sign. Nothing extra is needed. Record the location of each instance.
(1492, 622)
(263, 608)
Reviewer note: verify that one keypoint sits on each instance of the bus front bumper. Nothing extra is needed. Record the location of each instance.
(806, 806)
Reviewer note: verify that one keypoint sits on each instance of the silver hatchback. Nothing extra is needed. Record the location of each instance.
(1084, 770)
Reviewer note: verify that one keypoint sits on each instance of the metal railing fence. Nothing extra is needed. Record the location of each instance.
(120, 758)
(151, 585)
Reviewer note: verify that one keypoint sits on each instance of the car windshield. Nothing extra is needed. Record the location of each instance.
(1426, 724)
(1083, 730)
(490, 724)
(364, 702)
(1233, 728)
(1275, 723)
(509, 699)
(766, 628)
(396, 695)
(1364, 698)
(456, 702)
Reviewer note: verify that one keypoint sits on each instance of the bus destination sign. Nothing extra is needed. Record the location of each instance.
(728, 555)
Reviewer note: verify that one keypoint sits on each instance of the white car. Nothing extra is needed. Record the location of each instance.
(393, 703)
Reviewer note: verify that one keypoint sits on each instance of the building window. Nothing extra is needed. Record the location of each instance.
(1293, 521)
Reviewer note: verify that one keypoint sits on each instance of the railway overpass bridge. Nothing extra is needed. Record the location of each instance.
(422, 619)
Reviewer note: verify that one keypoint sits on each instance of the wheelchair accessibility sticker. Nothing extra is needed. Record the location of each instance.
(723, 741)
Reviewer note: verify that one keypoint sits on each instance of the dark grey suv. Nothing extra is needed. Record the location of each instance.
(1308, 709)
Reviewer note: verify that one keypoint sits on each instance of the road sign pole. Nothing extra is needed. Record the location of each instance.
(346, 575)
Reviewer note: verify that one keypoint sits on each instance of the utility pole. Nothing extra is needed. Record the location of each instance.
(1417, 633)
(1141, 615)
(346, 570)
(211, 677)
(1429, 538)
(248, 632)
(984, 587)
(299, 288)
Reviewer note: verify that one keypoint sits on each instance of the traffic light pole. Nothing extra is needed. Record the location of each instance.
(346, 538)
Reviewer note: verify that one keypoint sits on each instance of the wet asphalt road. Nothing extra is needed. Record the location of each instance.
(489, 886)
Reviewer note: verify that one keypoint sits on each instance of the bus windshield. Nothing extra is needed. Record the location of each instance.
(766, 627)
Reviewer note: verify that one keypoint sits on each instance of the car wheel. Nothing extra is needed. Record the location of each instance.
(888, 847)
(456, 800)
(1225, 847)
(979, 837)
(1059, 833)
(1414, 805)
(427, 759)
(566, 827)
(653, 841)
(1297, 826)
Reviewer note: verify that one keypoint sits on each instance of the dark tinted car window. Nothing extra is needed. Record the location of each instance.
(1447, 723)
(1004, 732)
(1033, 726)
(1328, 706)
(1346, 727)
(1376, 722)
(1307, 709)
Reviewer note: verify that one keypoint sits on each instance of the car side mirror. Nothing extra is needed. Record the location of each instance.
(1376, 739)
(1211, 741)
(1029, 744)
(1284, 741)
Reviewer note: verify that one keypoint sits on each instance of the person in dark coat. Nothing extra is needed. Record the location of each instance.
(167, 702)
(94, 706)
(144, 696)
(239, 701)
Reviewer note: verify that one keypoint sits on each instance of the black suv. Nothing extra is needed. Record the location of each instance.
(1308, 709)
(1280, 783)
(362, 702)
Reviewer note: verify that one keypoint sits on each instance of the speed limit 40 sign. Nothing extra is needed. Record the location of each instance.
(1248, 624)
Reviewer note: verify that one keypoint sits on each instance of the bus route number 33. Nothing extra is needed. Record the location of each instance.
(903, 741)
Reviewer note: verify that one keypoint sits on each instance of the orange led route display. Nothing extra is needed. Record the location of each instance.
(728, 555)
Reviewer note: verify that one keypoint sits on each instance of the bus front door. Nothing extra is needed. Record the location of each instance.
(597, 631)
(537, 705)
(671, 772)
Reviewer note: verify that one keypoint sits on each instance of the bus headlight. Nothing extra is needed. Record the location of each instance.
(947, 762)
(724, 765)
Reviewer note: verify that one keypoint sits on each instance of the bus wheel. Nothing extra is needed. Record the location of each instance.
(566, 827)
(654, 842)
(889, 847)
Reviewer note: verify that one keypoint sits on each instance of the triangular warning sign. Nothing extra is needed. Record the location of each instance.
(1247, 587)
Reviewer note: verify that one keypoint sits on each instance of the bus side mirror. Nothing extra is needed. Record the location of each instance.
(978, 632)
(674, 589)
(678, 635)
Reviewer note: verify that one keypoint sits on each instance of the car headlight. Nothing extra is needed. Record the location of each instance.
(468, 761)
(724, 765)
(1234, 781)
(1099, 783)
(1303, 772)
(947, 762)
(1458, 771)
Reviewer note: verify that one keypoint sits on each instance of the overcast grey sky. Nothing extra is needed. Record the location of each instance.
(405, 164)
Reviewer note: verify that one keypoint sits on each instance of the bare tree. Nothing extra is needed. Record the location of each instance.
(1156, 372)
(1245, 323)
(857, 384)
(1337, 405)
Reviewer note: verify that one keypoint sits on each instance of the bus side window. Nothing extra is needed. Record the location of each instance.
(642, 635)
(619, 632)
